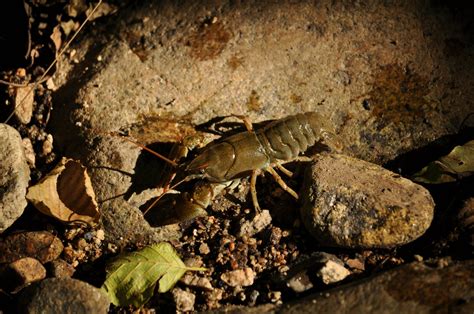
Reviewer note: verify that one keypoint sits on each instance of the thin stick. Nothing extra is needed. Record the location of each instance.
(54, 62)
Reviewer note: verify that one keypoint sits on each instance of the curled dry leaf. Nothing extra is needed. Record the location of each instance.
(457, 164)
(66, 194)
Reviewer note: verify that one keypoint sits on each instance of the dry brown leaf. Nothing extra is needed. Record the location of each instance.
(66, 194)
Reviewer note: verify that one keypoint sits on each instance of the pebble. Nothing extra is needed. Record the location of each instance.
(21, 273)
(257, 224)
(42, 245)
(184, 300)
(62, 295)
(300, 282)
(47, 147)
(352, 203)
(193, 280)
(15, 175)
(29, 152)
(60, 269)
(239, 277)
(204, 249)
(24, 100)
(332, 272)
(356, 264)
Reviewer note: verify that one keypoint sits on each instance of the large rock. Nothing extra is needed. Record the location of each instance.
(63, 295)
(352, 203)
(389, 77)
(15, 175)
(412, 288)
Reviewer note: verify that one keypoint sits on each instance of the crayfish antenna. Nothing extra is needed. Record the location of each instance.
(165, 159)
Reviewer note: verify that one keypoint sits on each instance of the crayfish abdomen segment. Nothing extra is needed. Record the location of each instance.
(285, 139)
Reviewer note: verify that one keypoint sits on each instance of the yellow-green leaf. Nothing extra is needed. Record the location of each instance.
(458, 163)
(131, 278)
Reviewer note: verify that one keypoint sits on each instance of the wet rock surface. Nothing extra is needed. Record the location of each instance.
(355, 204)
(62, 295)
(15, 176)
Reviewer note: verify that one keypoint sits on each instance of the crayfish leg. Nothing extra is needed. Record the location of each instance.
(287, 172)
(282, 183)
(253, 190)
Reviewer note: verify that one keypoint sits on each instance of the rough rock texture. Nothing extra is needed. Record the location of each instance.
(41, 245)
(62, 295)
(332, 272)
(239, 277)
(60, 268)
(20, 273)
(14, 178)
(412, 288)
(257, 224)
(184, 300)
(390, 77)
(351, 203)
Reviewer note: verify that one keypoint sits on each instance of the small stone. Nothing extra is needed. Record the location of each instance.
(300, 282)
(418, 258)
(213, 297)
(184, 300)
(41, 245)
(193, 280)
(239, 277)
(62, 295)
(14, 178)
(355, 263)
(21, 273)
(60, 269)
(332, 272)
(29, 152)
(50, 84)
(81, 244)
(24, 100)
(21, 72)
(100, 235)
(257, 224)
(47, 145)
(275, 297)
(204, 249)
(351, 203)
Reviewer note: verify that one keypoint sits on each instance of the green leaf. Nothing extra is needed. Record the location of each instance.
(458, 163)
(131, 278)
